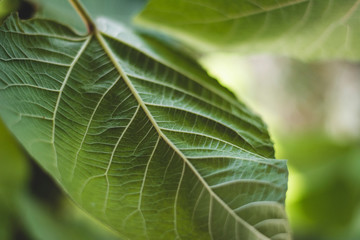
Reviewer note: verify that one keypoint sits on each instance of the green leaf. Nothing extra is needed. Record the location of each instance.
(154, 149)
(307, 29)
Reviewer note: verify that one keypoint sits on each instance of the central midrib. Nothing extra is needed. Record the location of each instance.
(133, 90)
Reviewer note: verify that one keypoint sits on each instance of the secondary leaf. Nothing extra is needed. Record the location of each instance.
(154, 149)
(307, 29)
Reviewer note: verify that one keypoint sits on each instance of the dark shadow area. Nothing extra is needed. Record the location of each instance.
(26, 10)
(43, 187)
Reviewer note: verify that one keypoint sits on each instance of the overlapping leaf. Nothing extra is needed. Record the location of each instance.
(307, 29)
(155, 149)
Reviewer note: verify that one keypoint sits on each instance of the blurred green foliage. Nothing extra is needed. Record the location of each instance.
(7, 6)
(14, 174)
(313, 114)
(41, 221)
(329, 197)
(32, 206)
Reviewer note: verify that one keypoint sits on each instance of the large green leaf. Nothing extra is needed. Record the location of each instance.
(139, 136)
(308, 29)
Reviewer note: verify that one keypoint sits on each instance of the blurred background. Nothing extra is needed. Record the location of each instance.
(313, 114)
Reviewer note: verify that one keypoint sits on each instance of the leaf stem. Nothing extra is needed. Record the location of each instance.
(84, 15)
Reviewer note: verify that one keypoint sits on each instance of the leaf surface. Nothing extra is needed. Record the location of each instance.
(306, 29)
(139, 136)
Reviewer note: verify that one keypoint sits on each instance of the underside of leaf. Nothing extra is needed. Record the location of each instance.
(153, 150)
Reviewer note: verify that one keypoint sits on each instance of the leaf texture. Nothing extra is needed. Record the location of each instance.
(155, 149)
(306, 29)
